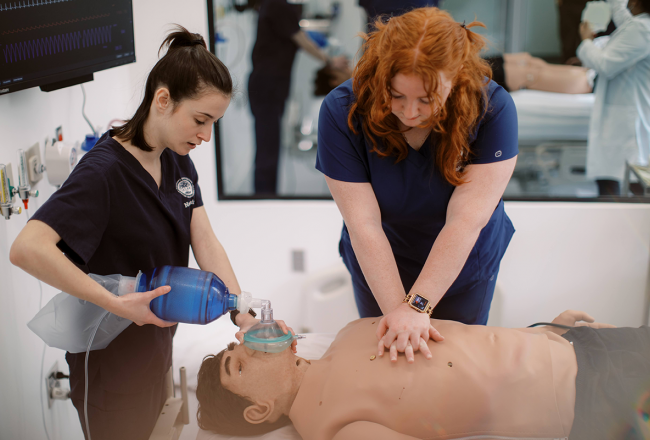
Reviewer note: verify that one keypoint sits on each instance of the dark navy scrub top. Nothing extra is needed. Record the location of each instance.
(274, 48)
(393, 7)
(412, 194)
(113, 219)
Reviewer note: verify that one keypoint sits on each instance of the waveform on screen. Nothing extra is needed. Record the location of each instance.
(12, 6)
(56, 23)
(58, 44)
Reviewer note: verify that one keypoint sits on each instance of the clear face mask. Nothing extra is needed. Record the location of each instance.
(266, 335)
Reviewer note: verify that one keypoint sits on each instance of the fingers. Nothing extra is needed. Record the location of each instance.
(435, 335)
(283, 326)
(410, 356)
(380, 348)
(424, 349)
(594, 325)
(389, 338)
(402, 341)
(240, 337)
(382, 328)
(578, 315)
(160, 291)
(393, 352)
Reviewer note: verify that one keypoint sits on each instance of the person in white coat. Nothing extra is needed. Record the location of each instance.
(620, 123)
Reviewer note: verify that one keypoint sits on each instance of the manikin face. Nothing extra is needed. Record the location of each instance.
(410, 102)
(184, 126)
(262, 377)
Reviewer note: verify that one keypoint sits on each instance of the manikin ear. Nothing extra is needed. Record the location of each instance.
(162, 100)
(259, 412)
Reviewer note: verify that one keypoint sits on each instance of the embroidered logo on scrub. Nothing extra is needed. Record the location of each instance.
(185, 187)
(498, 154)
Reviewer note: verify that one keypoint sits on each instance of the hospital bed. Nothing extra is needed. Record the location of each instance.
(553, 131)
(547, 117)
(175, 413)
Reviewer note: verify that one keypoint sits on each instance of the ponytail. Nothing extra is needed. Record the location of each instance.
(186, 70)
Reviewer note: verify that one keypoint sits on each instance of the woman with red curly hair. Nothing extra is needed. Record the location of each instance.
(417, 149)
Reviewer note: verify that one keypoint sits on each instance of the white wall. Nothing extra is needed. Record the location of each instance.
(27, 117)
(591, 256)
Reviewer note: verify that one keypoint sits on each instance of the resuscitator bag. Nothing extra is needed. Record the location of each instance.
(67, 322)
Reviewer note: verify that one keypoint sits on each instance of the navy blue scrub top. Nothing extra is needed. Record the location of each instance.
(274, 49)
(393, 7)
(113, 219)
(412, 194)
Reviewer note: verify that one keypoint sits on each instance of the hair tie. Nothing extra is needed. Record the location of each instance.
(192, 43)
(463, 25)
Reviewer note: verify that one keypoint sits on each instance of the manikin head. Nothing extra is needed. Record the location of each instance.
(186, 92)
(246, 392)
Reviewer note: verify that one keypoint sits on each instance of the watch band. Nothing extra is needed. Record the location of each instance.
(234, 313)
(410, 300)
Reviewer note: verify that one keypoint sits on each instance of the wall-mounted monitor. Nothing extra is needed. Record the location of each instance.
(59, 43)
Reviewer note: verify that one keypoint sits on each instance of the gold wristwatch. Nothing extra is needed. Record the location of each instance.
(419, 303)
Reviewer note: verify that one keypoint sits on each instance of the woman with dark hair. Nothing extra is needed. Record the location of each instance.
(133, 203)
(417, 149)
(619, 129)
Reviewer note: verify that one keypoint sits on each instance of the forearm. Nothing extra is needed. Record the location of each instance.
(306, 44)
(211, 256)
(446, 259)
(44, 260)
(375, 256)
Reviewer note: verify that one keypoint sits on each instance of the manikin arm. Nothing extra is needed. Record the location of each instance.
(570, 318)
(368, 430)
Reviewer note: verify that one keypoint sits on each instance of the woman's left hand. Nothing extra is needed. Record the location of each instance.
(247, 321)
(586, 32)
(406, 331)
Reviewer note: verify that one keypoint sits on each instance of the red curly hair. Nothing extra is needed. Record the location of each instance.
(423, 42)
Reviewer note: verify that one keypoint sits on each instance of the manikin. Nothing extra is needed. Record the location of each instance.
(482, 382)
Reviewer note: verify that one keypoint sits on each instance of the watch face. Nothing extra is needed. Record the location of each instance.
(419, 302)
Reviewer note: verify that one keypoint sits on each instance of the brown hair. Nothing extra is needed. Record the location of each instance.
(422, 42)
(187, 69)
(221, 410)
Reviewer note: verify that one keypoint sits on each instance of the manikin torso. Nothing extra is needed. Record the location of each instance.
(482, 382)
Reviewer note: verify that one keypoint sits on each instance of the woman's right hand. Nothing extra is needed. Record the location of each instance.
(135, 307)
(407, 331)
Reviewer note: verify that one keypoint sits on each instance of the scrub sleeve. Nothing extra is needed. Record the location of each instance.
(413, 197)
(392, 8)
(269, 84)
(113, 219)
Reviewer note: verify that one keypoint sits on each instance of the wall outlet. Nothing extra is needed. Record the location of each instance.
(35, 166)
(51, 382)
(298, 260)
